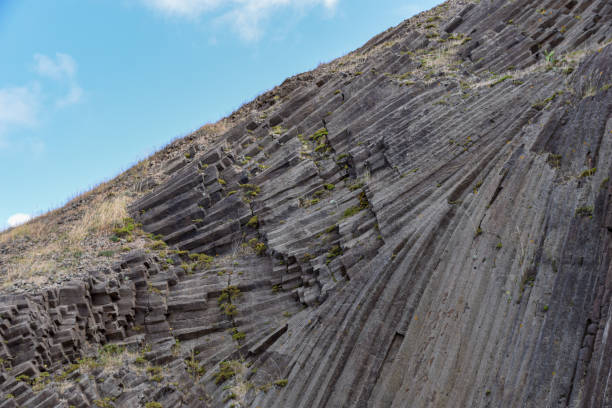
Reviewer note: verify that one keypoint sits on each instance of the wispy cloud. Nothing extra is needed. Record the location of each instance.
(75, 94)
(23, 106)
(244, 16)
(19, 106)
(62, 67)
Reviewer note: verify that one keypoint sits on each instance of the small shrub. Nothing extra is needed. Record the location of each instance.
(103, 403)
(125, 230)
(153, 404)
(253, 222)
(201, 260)
(554, 160)
(349, 212)
(226, 371)
(259, 247)
(281, 383)
(584, 211)
(355, 186)
(333, 252)
(158, 245)
(319, 134)
(193, 366)
(237, 335)
(24, 378)
(106, 254)
(588, 173)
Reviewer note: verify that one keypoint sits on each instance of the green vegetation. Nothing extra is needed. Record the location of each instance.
(259, 247)
(193, 366)
(250, 190)
(554, 160)
(201, 260)
(226, 299)
(355, 186)
(237, 335)
(253, 222)
(331, 228)
(584, 211)
(319, 134)
(24, 378)
(588, 173)
(153, 404)
(539, 105)
(125, 229)
(106, 253)
(226, 371)
(335, 251)
(277, 130)
(157, 245)
(155, 373)
(228, 294)
(281, 383)
(363, 204)
(500, 80)
(104, 403)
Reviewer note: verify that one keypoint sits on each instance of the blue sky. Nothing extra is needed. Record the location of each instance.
(88, 87)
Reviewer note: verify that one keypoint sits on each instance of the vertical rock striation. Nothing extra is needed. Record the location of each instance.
(425, 222)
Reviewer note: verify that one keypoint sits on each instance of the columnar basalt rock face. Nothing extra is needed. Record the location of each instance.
(424, 223)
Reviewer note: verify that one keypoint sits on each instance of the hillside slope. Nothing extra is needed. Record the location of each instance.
(425, 222)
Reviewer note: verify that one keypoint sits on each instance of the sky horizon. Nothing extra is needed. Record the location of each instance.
(93, 87)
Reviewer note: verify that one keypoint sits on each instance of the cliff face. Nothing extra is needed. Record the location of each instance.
(425, 222)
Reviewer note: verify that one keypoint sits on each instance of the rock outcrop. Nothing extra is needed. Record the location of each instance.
(426, 222)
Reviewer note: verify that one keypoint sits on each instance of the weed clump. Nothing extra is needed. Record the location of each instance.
(281, 383)
(253, 222)
(335, 251)
(259, 247)
(584, 211)
(554, 160)
(226, 371)
(588, 173)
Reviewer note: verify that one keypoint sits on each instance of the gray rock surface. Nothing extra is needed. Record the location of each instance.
(425, 223)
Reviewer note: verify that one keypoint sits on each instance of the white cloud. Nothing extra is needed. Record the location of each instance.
(18, 219)
(23, 106)
(62, 67)
(18, 107)
(74, 96)
(184, 8)
(245, 16)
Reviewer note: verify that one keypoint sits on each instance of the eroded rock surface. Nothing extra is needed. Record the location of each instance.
(423, 223)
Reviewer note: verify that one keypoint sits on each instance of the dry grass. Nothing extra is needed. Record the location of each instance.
(50, 248)
(99, 219)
